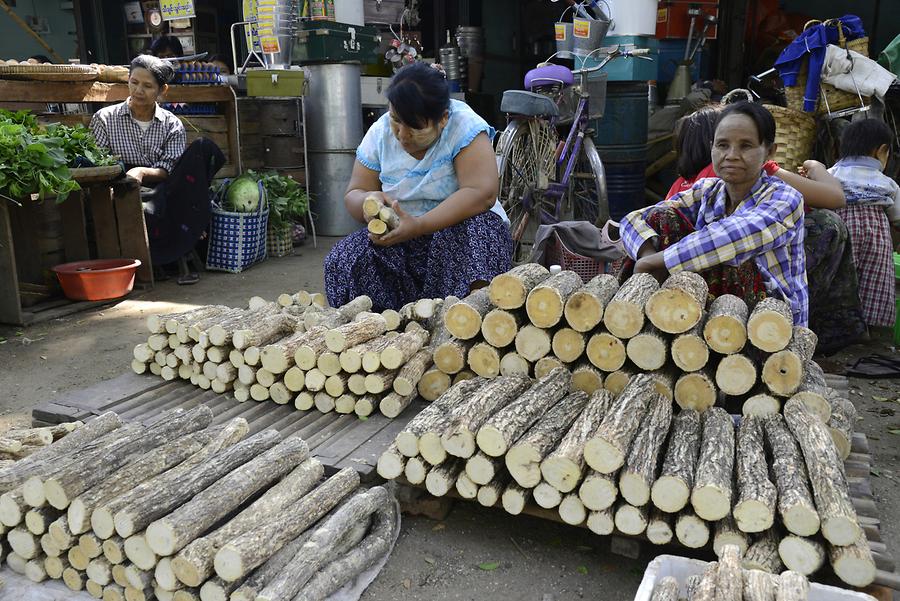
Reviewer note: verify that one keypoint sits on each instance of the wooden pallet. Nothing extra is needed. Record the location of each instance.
(338, 441)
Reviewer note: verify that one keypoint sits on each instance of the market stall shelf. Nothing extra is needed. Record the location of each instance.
(338, 441)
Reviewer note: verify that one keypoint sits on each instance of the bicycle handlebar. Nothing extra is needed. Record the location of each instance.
(636, 53)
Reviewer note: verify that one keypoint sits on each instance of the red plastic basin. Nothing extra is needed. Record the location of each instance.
(99, 279)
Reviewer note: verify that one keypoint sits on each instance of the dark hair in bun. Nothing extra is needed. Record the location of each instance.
(162, 71)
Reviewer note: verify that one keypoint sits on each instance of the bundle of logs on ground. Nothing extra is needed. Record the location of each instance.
(18, 441)
(774, 484)
(529, 322)
(184, 509)
(298, 351)
(727, 580)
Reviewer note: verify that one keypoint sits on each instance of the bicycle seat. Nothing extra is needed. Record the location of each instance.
(549, 75)
(520, 102)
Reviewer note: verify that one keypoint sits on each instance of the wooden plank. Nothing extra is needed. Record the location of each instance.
(54, 413)
(10, 305)
(205, 124)
(68, 91)
(39, 314)
(120, 388)
(230, 111)
(75, 240)
(26, 238)
(132, 231)
(106, 232)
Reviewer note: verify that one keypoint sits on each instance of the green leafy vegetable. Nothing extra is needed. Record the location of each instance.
(489, 566)
(242, 195)
(287, 199)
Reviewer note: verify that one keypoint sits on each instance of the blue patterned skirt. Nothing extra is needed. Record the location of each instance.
(441, 264)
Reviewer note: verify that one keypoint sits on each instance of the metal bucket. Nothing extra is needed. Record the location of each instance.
(333, 131)
(588, 31)
(563, 33)
(285, 16)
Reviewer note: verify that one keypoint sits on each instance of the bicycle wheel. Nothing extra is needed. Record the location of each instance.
(525, 163)
(587, 186)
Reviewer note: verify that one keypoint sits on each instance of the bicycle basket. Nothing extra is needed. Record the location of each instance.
(557, 253)
(596, 88)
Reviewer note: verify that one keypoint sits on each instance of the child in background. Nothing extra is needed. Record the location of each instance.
(873, 204)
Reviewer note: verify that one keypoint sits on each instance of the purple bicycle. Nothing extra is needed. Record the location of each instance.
(545, 179)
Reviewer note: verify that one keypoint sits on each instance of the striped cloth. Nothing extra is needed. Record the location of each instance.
(870, 236)
(766, 227)
(865, 184)
(159, 147)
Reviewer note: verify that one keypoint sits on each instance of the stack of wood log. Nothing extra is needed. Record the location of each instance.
(188, 509)
(19, 442)
(297, 351)
(774, 484)
(727, 580)
(698, 352)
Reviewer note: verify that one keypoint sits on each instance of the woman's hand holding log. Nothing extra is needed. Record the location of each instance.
(653, 264)
(409, 227)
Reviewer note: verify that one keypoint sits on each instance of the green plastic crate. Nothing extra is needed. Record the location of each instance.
(897, 265)
(277, 82)
(327, 41)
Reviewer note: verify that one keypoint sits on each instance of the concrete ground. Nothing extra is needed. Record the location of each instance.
(472, 554)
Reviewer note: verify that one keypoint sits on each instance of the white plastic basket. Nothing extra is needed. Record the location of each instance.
(683, 567)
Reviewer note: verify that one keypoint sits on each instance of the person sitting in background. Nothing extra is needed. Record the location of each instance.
(834, 308)
(873, 204)
(167, 46)
(431, 159)
(219, 61)
(151, 142)
(742, 231)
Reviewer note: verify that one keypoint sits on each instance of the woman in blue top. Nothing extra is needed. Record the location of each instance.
(431, 159)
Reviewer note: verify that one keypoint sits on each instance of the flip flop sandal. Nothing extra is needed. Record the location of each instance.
(875, 366)
(188, 279)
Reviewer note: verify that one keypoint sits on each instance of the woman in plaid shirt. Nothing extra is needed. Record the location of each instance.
(743, 232)
(150, 141)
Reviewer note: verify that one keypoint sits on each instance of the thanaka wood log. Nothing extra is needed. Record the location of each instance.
(49, 546)
(666, 590)
(450, 356)
(711, 496)
(38, 520)
(248, 589)
(34, 570)
(598, 491)
(759, 585)
(547, 364)
(728, 533)
(547, 496)
(736, 374)
(725, 329)
(23, 543)
(795, 501)
(640, 469)
(729, 579)
(792, 587)
(624, 314)
(465, 488)
(482, 469)
(328, 363)
(532, 343)
(114, 550)
(664, 381)
(649, 349)
(770, 325)
(679, 303)
(585, 307)
(490, 494)
(568, 344)
(606, 352)
(761, 405)
(463, 319)
(411, 373)
(754, 509)
(402, 348)
(433, 384)
(90, 545)
(826, 474)
(841, 424)
(499, 327)
(602, 522)
(607, 449)
(546, 301)
(510, 290)
(355, 332)
(265, 330)
(377, 382)
(194, 563)
(853, 563)
(263, 377)
(660, 527)
(571, 510)
(435, 417)
(506, 426)
(691, 530)
(514, 364)
(100, 571)
(802, 555)
(563, 468)
(631, 520)
(54, 566)
(416, 470)
(307, 354)
(813, 391)
(514, 498)
(696, 390)
(783, 371)
(391, 463)
(351, 359)
(324, 402)
(484, 360)
(763, 554)
(442, 478)
(616, 381)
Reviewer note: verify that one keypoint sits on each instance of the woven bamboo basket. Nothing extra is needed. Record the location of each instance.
(837, 99)
(795, 135)
(48, 72)
(279, 241)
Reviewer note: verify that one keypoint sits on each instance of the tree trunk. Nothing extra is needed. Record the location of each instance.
(513, 364)
(585, 307)
(62, 536)
(755, 507)
(761, 405)
(598, 491)
(602, 522)
(696, 390)
(450, 356)
(242, 554)
(783, 371)
(532, 343)
(690, 530)
(640, 469)
(813, 391)
(606, 352)
(484, 360)
(826, 473)
(77, 558)
(54, 566)
(278, 357)
(568, 345)
(664, 381)
(458, 438)
(547, 301)
(649, 349)
(380, 381)
(712, 492)
(547, 496)
(315, 380)
(437, 325)
(802, 555)
(463, 319)
(499, 327)
(660, 527)
(264, 330)
(607, 450)
(489, 494)
(336, 385)
(49, 546)
(736, 374)
(616, 381)
(728, 533)
(435, 417)
(523, 459)
(725, 330)
(624, 315)
(679, 303)
(853, 563)
(170, 534)
(194, 563)
(795, 502)
(411, 373)
(770, 325)
(306, 563)
(442, 478)
(514, 498)
(510, 290)
(374, 547)
(586, 378)
(763, 554)
(666, 590)
(759, 585)
(841, 424)
(729, 579)
(355, 332)
(501, 430)
(631, 520)
(433, 384)
(792, 587)
(403, 348)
